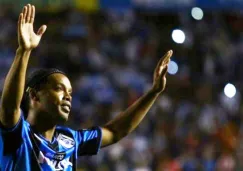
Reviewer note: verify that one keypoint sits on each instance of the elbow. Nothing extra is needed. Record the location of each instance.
(9, 117)
(118, 134)
(9, 109)
(9, 105)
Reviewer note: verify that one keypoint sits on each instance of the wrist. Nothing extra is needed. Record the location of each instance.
(154, 92)
(22, 50)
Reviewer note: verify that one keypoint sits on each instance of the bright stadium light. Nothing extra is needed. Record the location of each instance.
(229, 90)
(172, 68)
(197, 13)
(178, 36)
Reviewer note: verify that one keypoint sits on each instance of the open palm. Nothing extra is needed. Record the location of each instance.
(27, 38)
(160, 71)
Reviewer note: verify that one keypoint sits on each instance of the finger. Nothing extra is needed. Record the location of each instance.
(20, 21)
(161, 68)
(20, 18)
(24, 14)
(164, 71)
(28, 13)
(42, 30)
(167, 62)
(167, 58)
(164, 58)
(32, 17)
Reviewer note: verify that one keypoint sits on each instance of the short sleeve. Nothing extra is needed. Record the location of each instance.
(12, 137)
(89, 141)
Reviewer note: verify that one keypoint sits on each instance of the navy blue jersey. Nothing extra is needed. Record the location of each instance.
(23, 149)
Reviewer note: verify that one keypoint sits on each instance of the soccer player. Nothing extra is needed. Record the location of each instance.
(32, 109)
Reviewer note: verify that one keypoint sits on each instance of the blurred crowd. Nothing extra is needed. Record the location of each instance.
(110, 57)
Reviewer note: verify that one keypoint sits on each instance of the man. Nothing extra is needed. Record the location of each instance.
(37, 143)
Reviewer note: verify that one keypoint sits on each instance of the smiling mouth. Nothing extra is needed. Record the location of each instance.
(65, 108)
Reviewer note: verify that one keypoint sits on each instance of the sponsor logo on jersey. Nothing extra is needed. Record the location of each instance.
(59, 156)
(65, 141)
(55, 163)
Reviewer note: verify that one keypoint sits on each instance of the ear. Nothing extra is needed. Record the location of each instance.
(33, 94)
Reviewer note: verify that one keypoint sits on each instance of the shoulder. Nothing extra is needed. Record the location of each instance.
(80, 135)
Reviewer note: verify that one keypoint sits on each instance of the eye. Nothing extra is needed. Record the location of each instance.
(59, 88)
(70, 92)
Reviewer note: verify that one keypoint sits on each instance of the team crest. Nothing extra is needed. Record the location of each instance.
(65, 141)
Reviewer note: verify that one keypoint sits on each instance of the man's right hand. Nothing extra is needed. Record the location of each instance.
(27, 38)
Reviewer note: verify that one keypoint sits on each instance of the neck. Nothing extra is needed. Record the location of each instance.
(48, 134)
(42, 125)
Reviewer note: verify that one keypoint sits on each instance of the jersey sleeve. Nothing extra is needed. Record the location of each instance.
(12, 137)
(89, 141)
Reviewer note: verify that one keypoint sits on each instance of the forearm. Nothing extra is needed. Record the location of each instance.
(128, 120)
(14, 85)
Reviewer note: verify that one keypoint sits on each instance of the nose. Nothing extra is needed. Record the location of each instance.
(67, 97)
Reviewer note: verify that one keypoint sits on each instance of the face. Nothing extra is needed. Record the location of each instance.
(55, 97)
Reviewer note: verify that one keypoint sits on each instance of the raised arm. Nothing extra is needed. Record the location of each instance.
(128, 120)
(14, 83)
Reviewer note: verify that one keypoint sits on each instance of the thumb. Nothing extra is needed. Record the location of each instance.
(41, 30)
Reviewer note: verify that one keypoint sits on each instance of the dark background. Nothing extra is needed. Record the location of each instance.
(109, 50)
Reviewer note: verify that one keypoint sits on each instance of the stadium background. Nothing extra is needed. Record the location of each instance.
(110, 48)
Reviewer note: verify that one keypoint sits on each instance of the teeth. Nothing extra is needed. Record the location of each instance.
(66, 108)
